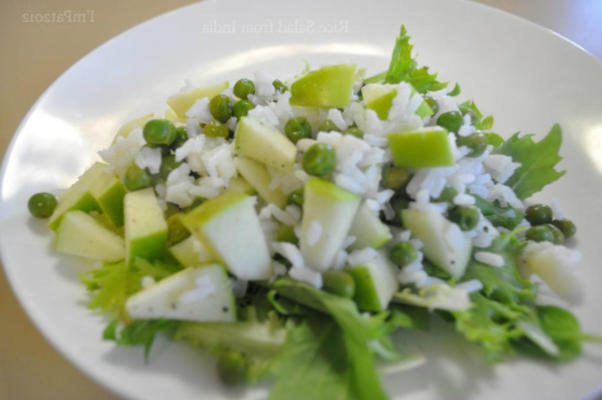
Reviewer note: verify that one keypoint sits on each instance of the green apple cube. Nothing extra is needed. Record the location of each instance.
(240, 185)
(264, 143)
(125, 129)
(228, 225)
(109, 191)
(145, 226)
(191, 252)
(79, 234)
(375, 283)
(257, 175)
(328, 210)
(445, 245)
(193, 294)
(181, 102)
(421, 148)
(379, 98)
(326, 87)
(78, 196)
(368, 229)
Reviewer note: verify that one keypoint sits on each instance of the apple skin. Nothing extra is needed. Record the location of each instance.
(180, 103)
(191, 252)
(326, 87)
(145, 226)
(265, 144)
(421, 148)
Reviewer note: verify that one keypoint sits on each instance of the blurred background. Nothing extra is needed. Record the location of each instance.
(34, 54)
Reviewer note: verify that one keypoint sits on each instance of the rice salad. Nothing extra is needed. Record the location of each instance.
(291, 227)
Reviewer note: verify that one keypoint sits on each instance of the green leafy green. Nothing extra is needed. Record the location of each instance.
(355, 334)
(494, 139)
(455, 91)
(138, 332)
(476, 115)
(320, 361)
(403, 67)
(537, 159)
(111, 284)
(507, 217)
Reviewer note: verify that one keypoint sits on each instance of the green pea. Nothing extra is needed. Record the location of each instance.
(447, 194)
(567, 227)
(137, 178)
(295, 197)
(221, 107)
(432, 103)
(538, 214)
(215, 129)
(159, 132)
(232, 367)
(279, 86)
(327, 125)
(319, 159)
(558, 236)
(467, 218)
(42, 205)
(396, 177)
(168, 164)
(540, 233)
(243, 88)
(181, 136)
(477, 142)
(403, 253)
(451, 120)
(297, 128)
(339, 283)
(355, 131)
(286, 233)
(241, 108)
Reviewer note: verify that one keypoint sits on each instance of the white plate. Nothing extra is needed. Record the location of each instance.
(526, 76)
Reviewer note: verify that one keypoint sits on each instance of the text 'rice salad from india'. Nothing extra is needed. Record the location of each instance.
(290, 228)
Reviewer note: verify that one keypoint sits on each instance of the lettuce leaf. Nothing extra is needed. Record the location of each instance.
(537, 159)
(111, 284)
(138, 332)
(340, 350)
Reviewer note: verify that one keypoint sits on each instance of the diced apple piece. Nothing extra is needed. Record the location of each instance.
(258, 176)
(191, 252)
(264, 143)
(79, 234)
(193, 294)
(421, 148)
(375, 283)
(181, 102)
(329, 211)
(368, 229)
(125, 129)
(379, 97)
(326, 87)
(109, 191)
(145, 226)
(78, 196)
(445, 245)
(229, 226)
(240, 185)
